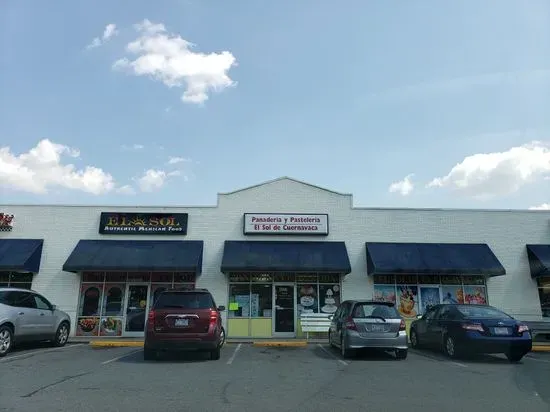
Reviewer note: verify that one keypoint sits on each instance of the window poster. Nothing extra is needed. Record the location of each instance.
(475, 295)
(329, 298)
(307, 299)
(429, 296)
(407, 300)
(452, 294)
(384, 293)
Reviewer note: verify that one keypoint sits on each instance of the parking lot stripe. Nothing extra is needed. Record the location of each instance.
(332, 354)
(538, 359)
(120, 357)
(37, 352)
(234, 355)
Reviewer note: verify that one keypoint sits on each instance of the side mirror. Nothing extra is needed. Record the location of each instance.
(221, 308)
(54, 307)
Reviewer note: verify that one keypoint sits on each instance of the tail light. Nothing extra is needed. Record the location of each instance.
(523, 328)
(402, 325)
(350, 324)
(151, 316)
(473, 326)
(213, 316)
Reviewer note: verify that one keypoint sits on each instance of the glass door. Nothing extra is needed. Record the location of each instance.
(284, 310)
(135, 309)
(430, 295)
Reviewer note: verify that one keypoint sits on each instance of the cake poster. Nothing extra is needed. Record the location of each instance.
(329, 298)
(307, 299)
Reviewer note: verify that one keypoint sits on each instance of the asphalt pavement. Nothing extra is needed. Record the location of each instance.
(248, 378)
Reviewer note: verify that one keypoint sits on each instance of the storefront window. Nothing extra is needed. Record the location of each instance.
(239, 301)
(261, 300)
(413, 295)
(89, 310)
(329, 297)
(16, 280)
(544, 295)
(308, 298)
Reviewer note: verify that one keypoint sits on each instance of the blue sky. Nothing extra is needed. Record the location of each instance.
(351, 97)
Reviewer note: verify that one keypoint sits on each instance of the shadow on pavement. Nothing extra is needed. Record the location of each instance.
(486, 359)
(329, 353)
(163, 357)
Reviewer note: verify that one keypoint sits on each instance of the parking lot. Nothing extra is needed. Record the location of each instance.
(246, 378)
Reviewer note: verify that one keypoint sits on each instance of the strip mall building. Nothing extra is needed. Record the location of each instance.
(271, 252)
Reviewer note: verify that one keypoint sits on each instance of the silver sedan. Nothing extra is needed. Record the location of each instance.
(360, 324)
(26, 315)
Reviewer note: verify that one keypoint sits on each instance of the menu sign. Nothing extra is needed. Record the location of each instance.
(143, 223)
(285, 224)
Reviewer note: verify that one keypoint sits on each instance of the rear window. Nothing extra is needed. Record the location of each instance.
(482, 312)
(4, 297)
(167, 300)
(366, 310)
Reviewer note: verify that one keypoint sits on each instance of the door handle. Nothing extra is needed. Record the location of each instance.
(41, 313)
(21, 313)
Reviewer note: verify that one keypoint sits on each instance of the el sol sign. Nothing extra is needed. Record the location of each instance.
(143, 223)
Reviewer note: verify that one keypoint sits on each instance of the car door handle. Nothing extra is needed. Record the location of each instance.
(21, 313)
(41, 313)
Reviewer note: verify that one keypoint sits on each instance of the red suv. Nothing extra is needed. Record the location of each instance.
(184, 320)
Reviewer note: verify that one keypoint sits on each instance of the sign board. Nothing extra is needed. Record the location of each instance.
(143, 223)
(285, 224)
(6, 222)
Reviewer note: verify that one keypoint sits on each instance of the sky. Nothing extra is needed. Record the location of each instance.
(402, 104)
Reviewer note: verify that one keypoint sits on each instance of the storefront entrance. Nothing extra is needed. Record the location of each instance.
(135, 309)
(284, 314)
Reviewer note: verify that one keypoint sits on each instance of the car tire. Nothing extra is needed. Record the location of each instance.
(215, 354)
(6, 340)
(149, 354)
(61, 335)
(330, 342)
(449, 347)
(415, 343)
(515, 357)
(222, 337)
(346, 353)
(401, 354)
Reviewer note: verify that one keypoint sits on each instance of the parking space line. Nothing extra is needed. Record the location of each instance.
(537, 359)
(121, 357)
(435, 358)
(234, 355)
(332, 355)
(37, 352)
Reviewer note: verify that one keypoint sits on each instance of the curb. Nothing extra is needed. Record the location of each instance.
(280, 344)
(540, 348)
(116, 344)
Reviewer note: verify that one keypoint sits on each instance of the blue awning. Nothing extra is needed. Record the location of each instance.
(539, 260)
(280, 256)
(136, 256)
(432, 259)
(20, 255)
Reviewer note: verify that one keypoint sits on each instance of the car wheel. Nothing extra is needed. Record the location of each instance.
(449, 347)
(6, 340)
(401, 353)
(330, 342)
(62, 335)
(415, 343)
(215, 354)
(222, 337)
(515, 356)
(346, 353)
(149, 354)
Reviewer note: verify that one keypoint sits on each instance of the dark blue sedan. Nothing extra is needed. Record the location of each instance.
(467, 329)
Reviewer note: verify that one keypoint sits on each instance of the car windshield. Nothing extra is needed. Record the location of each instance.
(187, 300)
(481, 312)
(367, 310)
(4, 294)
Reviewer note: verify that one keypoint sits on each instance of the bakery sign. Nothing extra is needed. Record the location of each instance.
(285, 224)
(6, 222)
(143, 223)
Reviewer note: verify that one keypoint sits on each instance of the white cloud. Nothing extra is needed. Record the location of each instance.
(170, 59)
(403, 187)
(485, 175)
(152, 180)
(126, 190)
(41, 168)
(176, 160)
(544, 206)
(109, 32)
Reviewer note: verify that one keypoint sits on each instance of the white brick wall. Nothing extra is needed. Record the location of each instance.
(506, 232)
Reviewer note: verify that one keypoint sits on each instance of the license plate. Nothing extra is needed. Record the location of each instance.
(501, 331)
(182, 322)
(377, 328)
